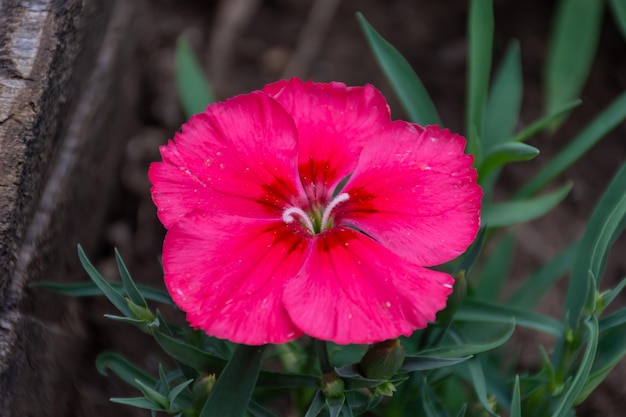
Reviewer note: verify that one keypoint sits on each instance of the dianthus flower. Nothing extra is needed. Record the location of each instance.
(303, 209)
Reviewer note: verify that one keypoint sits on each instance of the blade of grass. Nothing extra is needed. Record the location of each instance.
(605, 225)
(232, 391)
(480, 35)
(618, 8)
(514, 212)
(545, 121)
(406, 84)
(505, 99)
(193, 86)
(572, 46)
(606, 121)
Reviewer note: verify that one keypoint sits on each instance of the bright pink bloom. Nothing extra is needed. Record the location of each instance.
(303, 209)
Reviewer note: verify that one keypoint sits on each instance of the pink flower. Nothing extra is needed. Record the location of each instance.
(303, 209)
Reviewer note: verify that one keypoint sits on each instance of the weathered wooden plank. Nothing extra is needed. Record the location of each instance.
(66, 108)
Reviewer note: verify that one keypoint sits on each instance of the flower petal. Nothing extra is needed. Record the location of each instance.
(333, 121)
(415, 192)
(238, 157)
(228, 273)
(353, 290)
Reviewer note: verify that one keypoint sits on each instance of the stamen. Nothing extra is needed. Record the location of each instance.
(288, 217)
(329, 208)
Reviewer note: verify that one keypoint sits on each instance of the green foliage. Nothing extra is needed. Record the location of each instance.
(193, 87)
(463, 363)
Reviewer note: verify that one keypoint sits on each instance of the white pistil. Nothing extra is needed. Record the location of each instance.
(288, 217)
(329, 208)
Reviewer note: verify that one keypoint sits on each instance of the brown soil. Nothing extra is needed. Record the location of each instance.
(431, 35)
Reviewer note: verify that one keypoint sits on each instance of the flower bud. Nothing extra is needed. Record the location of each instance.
(139, 312)
(382, 360)
(332, 385)
(202, 387)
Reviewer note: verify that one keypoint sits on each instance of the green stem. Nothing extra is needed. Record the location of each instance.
(322, 356)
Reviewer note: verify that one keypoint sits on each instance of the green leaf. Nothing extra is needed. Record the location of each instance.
(432, 407)
(189, 355)
(516, 404)
(90, 289)
(619, 14)
(505, 100)
(154, 396)
(462, 411)
(480, 386)
(138, 402)
(480, 35)
(256, 410)
(496, 270)
(193, 87)
(477, 311)
(177, 390)
(354, 380)
(115, 297)
(335, 404)
(612, 116)
(415, 363)
(469, 349)
(127, 282)
(584, 368)
(535, 287)
(232, 391)
(505, 153)
(538, 125)
(469, 258)
(571, 50)
(605, 224)
(611, 350)
(123, 368)
(279, 380)
(317, 405)
(406, 84)
(514, 212)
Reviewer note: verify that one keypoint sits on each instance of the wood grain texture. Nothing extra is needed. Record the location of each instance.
(67, 102)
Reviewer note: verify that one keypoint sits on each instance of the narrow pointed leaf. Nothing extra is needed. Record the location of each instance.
(123, 369)
(544, 122)
(256, 410)
(606, 121)
(516, 404)
(127, 282)
(114, 296)
(477, 311)
(505, 153)
(193, 87)
(177, 390)
(317, 405)
(584, 368)
(611, 351)
(571, 50)
(232, 391)
(427, 363)
(480, 385)
(335, 405)
(618, 7)
(469, 258)
(496, 270)
(470, 348)
(515, 212)
(406, 84)
(138, 402)
(505, 99)
(480, 35)
(90, 289)
(605, 225)
(189, 355)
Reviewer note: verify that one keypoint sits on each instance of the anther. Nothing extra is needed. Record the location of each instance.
(288, 217)
(340, 198)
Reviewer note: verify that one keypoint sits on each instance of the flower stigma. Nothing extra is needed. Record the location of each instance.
(313, 221)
